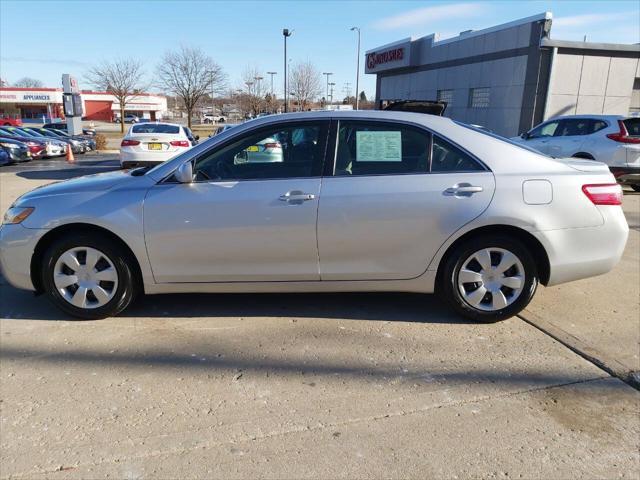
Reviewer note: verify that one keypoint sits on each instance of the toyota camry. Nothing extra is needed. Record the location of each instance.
(357, 201)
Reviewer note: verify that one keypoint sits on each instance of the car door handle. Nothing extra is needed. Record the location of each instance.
(296, 197)
(463, 190)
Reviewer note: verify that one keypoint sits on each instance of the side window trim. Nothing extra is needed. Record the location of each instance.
(324, 124)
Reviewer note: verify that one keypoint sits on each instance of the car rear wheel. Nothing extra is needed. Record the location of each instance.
(88, 277)
(489, 278)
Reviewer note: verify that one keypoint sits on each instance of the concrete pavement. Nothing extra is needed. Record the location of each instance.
(317, 386)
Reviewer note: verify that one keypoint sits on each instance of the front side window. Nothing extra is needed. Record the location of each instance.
(545, 130)
(376, 148)
(277, 152)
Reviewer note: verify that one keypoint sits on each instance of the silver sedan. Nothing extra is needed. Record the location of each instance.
(360, 201)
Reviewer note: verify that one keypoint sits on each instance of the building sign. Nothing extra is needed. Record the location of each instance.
(395, 55)
(28, 97)
(35, 98)
(392, 55)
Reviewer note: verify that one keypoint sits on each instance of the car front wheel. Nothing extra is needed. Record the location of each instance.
(489, 278)
(88, 277)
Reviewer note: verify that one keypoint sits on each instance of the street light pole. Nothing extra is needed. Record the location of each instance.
(271, 74)
(259, 89)
(212, 103)
(327, 74)
(331, 95)
(285, 33)
(357, 69)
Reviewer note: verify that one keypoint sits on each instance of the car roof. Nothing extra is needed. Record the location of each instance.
(157, 123)
(585, 116)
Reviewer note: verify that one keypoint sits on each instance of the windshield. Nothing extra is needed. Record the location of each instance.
(28, 133)
(499, 137)
(155, 128)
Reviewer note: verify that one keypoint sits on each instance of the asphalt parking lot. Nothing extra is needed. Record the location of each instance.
(320, 385)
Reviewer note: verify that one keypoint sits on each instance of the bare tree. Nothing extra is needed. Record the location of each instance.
(251, 92)
(28, 82)
(122, 78)
(305, 83)
(190, 74)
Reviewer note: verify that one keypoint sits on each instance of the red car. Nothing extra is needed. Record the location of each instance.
(6, 120)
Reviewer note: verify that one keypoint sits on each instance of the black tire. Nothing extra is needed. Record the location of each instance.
(636, 188)
(448, 290)
(126, 289)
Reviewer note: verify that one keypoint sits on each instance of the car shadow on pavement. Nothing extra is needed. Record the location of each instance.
(394, 307)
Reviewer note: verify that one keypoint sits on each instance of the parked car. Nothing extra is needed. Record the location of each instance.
(88, 132)
(153, 143)
(39, 149)
(612, 139)
(55, 147)
(370, 201)
(129, 118)
(16, 151)
(87, 141)
(8, 120)
(4, 158)
(76, 146)
(211, 118)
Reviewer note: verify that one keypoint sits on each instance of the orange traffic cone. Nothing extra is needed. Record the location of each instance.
(70, 157)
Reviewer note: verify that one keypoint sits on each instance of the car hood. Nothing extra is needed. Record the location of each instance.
(100, 182)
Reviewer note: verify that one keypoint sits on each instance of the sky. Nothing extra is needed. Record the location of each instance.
(44, 39)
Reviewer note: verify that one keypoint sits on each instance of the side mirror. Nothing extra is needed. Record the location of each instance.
(197, 137)
(525, 135)
(184, 173)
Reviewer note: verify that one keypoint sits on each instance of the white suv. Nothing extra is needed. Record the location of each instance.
(612, 139)
(210, 118)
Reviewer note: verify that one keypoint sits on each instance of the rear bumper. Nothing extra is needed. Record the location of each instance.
(626, 175)
(130, 159)
(576, 253)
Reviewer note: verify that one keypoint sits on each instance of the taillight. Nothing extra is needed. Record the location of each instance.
(179, 143)
(604, 193)
(129, 143)
(623, 135)
(272, 145)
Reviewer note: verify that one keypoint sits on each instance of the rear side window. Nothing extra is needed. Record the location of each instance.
(449, 158)
(597, 125)
(377, 148)
(633, 126)
(155, 128)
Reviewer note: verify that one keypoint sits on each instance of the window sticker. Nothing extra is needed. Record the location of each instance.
(378, 146)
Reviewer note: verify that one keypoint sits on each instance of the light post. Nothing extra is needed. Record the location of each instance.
(332, 84)
(285, 33)
(328, 74)
(357, 69)
(273, 100)
(211, 72)
(259, 90)
(271, 74)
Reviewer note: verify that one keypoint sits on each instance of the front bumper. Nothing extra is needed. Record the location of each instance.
(17, 245)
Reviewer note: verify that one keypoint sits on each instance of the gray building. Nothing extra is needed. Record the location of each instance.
(509, 77)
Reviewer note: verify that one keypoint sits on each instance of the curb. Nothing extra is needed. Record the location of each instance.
(576, 345)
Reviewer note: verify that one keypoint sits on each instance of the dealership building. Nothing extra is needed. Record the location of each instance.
(34, 104)
(510, 77)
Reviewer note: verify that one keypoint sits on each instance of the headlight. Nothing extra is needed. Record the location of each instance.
(16, 215)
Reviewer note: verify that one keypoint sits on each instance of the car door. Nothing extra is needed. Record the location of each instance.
(394, 196)
(568, 137)
(242, 220)
(540, 137)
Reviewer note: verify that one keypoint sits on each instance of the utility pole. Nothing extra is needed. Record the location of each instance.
(285, 33)
(357, 69)
(328, 74)
(347, 90)
(211, 72)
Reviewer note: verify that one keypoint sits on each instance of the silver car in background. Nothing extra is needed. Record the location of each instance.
(611, 139)
(361, 201)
